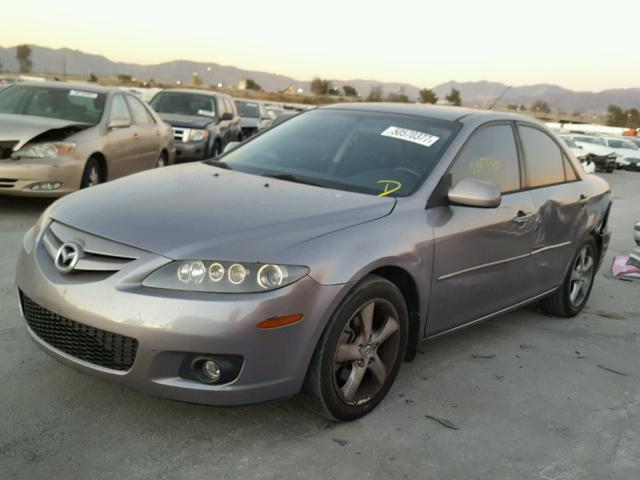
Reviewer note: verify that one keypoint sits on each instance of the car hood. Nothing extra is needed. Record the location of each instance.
(628, 152)
(599, 150)
(24, 128)
(186, 121)
(198, 211)
(249, 122)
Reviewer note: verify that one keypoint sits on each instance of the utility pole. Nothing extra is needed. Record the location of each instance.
(64, 67)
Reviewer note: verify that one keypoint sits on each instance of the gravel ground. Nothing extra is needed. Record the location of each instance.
(524, 396)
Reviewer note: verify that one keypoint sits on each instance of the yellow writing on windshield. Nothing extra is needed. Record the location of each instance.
(390, 186)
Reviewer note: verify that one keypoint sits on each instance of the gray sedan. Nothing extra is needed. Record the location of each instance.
(315, 257)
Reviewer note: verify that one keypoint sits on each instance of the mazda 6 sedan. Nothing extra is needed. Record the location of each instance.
(58, 137)
(314, 257)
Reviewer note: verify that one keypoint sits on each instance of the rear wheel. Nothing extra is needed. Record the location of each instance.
(360, 352)
(93, 174)
(572, 296)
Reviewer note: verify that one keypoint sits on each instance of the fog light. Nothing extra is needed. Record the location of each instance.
(211, 370)
(45, 186)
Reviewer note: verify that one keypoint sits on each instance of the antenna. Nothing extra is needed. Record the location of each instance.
(500, 97)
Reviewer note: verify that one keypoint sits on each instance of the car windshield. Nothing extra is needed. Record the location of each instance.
(374, 153)
(569, 142)
(622, 144)
(183, 103)
(248, 109)
(72, 104)
(594, 140)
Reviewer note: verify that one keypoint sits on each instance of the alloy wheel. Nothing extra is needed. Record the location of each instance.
(582, 276)
(366, 352)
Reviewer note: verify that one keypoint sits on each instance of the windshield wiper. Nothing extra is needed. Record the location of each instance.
(291, 178)
(218, 163)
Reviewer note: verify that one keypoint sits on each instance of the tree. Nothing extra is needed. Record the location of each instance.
(540, 106)
(375, 94)
(320, 86)
(333, 91)
(633, 118)
(349, 91)
(454, 97)
(123, 78)
(253, 85)
(196, 80)
(428, 96)
(23, 55)
(398, 97)
(523, 108)
(512, 107)
(93, 78)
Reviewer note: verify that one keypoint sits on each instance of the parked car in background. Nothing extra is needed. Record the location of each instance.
(253, 117)
(203, 122)
(597, 150)
(279, 268)
(577, 150)
(59, 137)
(627, 152)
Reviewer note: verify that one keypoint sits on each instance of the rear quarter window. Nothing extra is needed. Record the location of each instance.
(543, 158)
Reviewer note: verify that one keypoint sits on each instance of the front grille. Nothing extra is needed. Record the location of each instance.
(6, 148)
(179, 134)
(99, 255)
(92, 345)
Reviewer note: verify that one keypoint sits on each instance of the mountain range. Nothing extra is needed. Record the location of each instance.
(481, 94)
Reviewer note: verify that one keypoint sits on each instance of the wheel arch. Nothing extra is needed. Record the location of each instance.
(405, 282)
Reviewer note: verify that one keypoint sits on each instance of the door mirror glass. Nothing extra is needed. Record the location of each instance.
(231, 146)
(227, 116)
(475, 193)
(119, 123)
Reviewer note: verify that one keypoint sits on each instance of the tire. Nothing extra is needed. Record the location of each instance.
(93, 174)
(215, 149)
(564, 302)
(162, 161)
(331, 386)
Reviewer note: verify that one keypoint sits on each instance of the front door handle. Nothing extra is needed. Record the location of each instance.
(522, 217)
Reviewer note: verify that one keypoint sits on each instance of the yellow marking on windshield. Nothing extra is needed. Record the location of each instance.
(390, 187)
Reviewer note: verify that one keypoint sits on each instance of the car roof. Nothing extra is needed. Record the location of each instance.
(196, 91)
(438, 112)
(87, 87)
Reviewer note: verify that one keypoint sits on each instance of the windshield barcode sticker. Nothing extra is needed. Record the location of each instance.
(412, 136)
(80, 93)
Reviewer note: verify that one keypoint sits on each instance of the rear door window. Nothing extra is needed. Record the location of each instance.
(490, 155)
(543, 158)
(140, 114)
(119, 109)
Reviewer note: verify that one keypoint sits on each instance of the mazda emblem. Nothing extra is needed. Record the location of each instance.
(67, 257)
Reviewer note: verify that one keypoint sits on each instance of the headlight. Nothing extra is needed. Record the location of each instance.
(32, 236)
(45, 150)
(224, 277)
(198, 135)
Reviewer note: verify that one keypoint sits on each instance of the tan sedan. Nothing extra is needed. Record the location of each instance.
(56, 137)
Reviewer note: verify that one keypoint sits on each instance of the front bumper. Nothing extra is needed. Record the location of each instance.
(169, 326)
(17, 177)
(188, 152)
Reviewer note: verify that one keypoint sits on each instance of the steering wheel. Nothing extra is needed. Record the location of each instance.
(409, 171)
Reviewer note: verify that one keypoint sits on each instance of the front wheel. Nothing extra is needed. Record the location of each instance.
(572, 296)
(92, 174)
(359, 353)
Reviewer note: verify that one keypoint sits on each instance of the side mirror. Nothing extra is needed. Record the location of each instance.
(226, 116)
(475, 193)
(231, 146)
(119, 123)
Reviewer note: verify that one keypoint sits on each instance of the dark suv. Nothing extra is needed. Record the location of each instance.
(203, 122)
